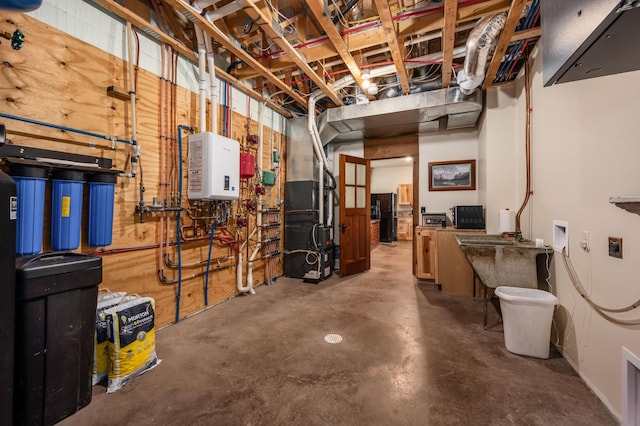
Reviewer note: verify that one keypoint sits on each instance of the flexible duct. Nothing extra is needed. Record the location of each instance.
(481, 42)
(200, 5)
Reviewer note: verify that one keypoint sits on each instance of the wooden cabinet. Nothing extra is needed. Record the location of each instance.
(454, 272)
(440, 258)
(375, 233)
(405, 194)
(405, 228)
(425, 253)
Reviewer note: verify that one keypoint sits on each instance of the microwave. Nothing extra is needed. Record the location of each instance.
(468, 217)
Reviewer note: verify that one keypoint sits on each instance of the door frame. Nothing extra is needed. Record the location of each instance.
(396, 147)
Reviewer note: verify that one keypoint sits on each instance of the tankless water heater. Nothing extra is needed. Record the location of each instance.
(214, 167)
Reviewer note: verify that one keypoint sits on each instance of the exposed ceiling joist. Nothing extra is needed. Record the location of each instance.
(391, 38)
(146, 27)
(374, 35)
(525, 34)
(503, 42)
(448, 39)
(317, 9)
(264, 19)
(234, 47)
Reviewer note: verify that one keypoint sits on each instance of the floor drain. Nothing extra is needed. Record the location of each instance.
(333, 338)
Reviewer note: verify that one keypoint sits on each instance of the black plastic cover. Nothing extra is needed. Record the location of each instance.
(49, 273)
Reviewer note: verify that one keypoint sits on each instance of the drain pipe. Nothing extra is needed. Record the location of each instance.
(213, 85)
(482, 41)
(202, 62)
(527, 91)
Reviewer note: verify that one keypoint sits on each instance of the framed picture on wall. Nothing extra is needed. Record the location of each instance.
(452, 175)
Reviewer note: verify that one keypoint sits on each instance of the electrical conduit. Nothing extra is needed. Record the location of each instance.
(135, 149)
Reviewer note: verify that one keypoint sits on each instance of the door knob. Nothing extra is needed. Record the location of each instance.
(343, 227)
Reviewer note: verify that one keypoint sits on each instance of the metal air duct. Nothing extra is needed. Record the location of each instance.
(481, 42)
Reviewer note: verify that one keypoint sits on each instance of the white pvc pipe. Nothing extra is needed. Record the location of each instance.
(202, 66)
(249, 287)
(311, 122)
(259, 212)
(213, 85)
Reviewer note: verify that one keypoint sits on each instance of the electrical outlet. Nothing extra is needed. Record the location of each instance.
(615, 247)
(585, 241)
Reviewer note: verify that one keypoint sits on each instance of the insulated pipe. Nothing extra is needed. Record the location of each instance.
(202, 65)
(200, 5)
(135, 149)
(213, 85)
(527, 91)
(481, 42)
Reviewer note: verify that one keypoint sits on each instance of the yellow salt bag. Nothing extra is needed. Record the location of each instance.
(131, 337)
(100, 350)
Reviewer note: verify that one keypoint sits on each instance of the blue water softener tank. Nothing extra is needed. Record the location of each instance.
(101, 194)
(30, 186)
(66, 209)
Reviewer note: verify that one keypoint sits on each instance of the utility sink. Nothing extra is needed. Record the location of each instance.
(502, 261)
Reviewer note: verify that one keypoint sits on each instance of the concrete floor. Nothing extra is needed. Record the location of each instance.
(410, 356)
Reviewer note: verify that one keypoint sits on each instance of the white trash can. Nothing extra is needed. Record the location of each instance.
(526, 315)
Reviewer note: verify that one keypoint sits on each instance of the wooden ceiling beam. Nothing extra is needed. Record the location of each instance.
(396, 47)
(525, 34)
(317, 10)
(264, 19)
(374, 36)
(448, 39)
(505, 38)
(128, 16)
(233, 47)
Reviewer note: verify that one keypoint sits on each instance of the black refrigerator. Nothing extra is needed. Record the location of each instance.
(388, 215)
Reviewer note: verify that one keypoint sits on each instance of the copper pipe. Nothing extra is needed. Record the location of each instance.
(527, 90)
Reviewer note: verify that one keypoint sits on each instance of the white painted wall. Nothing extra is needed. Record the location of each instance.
(386, 179)
(497, 177)
(585, 149)
(446, 146)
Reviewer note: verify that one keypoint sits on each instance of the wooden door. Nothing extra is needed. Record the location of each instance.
(355, 215)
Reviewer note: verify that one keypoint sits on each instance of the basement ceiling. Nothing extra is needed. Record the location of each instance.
(283, 51)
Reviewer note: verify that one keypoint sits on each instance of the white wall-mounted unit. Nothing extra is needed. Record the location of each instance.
(214, 167)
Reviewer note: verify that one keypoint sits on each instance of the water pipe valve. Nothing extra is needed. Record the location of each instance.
(241, 221)
(252, 205)
(17, 38)
(253, 139)
(260, 190)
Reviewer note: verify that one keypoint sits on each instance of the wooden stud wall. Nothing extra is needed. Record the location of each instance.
(58, 79)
